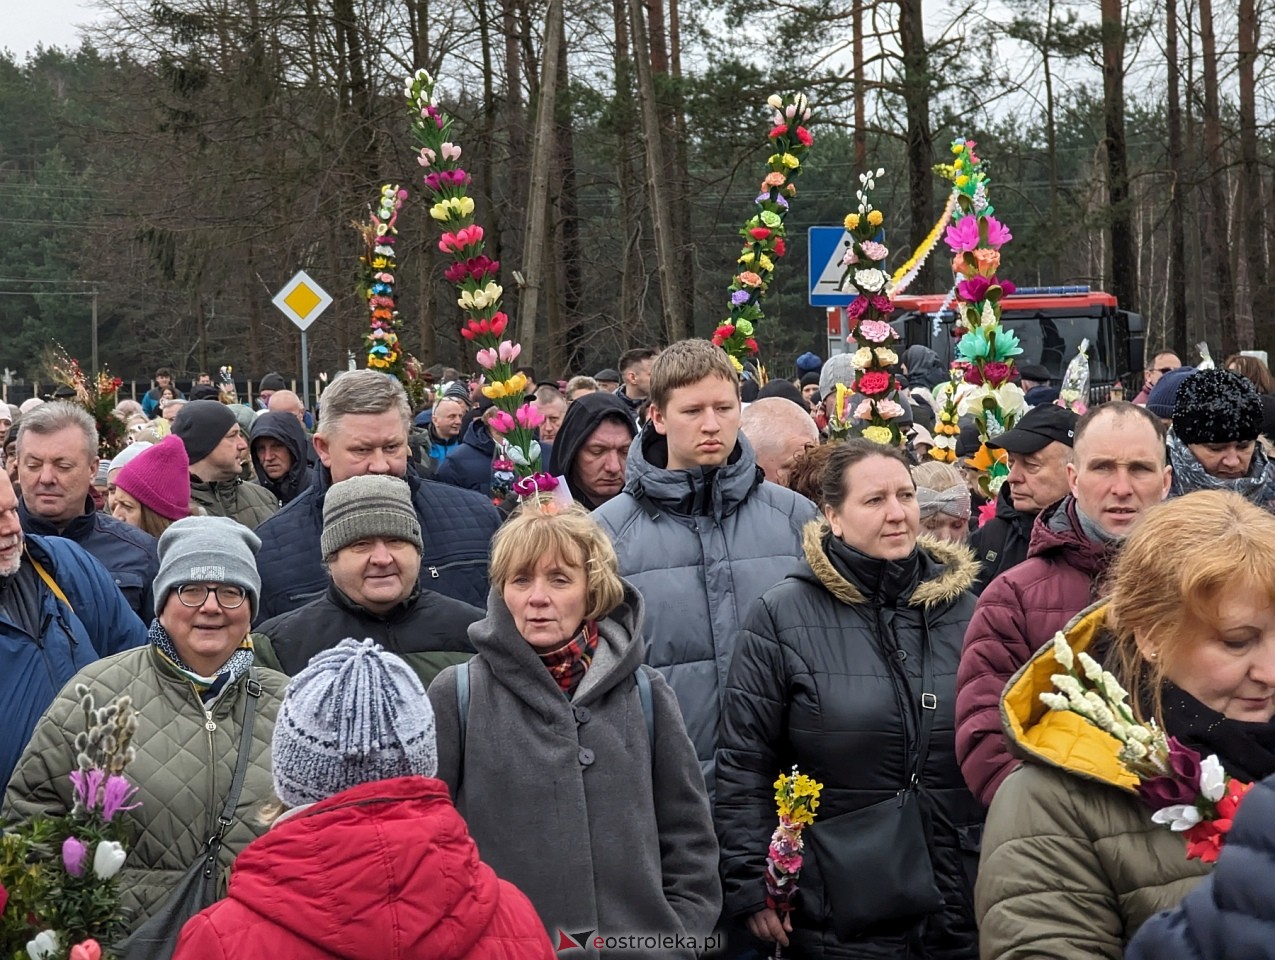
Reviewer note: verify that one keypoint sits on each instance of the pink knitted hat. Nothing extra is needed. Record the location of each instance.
(159, 478)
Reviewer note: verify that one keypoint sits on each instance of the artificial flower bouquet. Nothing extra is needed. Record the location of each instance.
(98, 395)
(987, 350)
(1187, 793)
(763, 232)
(796, 800)
(1074, 393)
(517, 467)
(59, 896)
(874, 408)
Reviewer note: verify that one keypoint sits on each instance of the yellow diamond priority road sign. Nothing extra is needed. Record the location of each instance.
(302, 300)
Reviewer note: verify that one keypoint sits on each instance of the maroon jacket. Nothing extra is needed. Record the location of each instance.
(1018, 613)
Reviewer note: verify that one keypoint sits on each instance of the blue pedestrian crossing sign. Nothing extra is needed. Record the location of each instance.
(827, 245)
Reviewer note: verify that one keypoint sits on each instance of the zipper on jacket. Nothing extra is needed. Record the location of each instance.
(210, 727)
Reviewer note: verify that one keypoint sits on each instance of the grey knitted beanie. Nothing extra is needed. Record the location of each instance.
(368, 506)
(354, 715)
(208, 550)
(837, 369)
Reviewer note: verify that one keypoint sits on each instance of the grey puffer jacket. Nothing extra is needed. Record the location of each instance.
(602, 832)
(182, 770)
(701, 546)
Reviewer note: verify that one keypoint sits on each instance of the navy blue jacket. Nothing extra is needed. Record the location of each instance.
(94, 622)
(469, 465)
(456, 525)
(129, 555)
(1231, 914)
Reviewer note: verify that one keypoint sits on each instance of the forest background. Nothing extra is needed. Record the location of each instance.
(181, 164)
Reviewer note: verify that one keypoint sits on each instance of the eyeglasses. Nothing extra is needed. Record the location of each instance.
(196, 595)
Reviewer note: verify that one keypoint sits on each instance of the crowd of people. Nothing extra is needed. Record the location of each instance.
(425, 723)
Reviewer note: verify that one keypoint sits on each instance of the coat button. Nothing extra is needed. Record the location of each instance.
(582, 714)
(586, 756)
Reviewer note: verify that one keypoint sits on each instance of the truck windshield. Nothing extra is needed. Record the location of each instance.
(1048, 340)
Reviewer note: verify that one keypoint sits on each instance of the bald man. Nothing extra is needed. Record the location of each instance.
(779, 432)
(286, 401)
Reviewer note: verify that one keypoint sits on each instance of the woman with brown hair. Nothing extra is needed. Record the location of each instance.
(152, 491)
(1257, 373)
(1072, 862)
(847, 669)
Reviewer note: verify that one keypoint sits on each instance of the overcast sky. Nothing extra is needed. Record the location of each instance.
(24, 23)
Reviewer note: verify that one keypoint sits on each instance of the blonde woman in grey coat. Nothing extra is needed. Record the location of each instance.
(568, 758)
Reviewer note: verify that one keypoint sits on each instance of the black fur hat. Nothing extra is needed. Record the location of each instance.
(1217, 406)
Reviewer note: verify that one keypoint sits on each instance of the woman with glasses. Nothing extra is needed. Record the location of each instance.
(195, 690)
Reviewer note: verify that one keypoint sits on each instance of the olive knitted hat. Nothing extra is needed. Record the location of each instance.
(354, 715)
(1217, 406)
(369, 506)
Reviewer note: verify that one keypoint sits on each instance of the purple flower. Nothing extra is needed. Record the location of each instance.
(117, 793)
(74, 852)
(1181, 786)
(87, 783)
(740, 297)
(974, 289)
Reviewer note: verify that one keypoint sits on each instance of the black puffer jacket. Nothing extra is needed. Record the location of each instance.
(287, 429)
(1002, 542)
(810, 685)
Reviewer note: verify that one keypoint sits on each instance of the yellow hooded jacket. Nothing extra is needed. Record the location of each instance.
(1071, 864)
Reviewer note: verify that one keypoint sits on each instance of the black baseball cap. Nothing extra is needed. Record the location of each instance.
(1038, 428)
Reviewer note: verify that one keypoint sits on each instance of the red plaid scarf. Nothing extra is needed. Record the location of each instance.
(567, 664)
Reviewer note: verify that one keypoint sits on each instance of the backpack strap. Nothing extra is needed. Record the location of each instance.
(462, 718)
(648, 708)
(49, 581)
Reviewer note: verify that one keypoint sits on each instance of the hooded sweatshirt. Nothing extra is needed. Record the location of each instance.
(925, 369)
(285, 428)
(385, 869)
(585, 415)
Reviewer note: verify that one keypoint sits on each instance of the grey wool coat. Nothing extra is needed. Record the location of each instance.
(702, 546)
(564, 797)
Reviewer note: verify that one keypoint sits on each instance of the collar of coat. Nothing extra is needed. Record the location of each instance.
(1061, 738)
(956, 574)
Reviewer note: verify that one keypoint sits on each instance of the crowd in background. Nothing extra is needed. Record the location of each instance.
(447, 725)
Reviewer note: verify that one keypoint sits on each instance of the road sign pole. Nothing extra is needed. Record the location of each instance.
(305, 372)
(845, 329)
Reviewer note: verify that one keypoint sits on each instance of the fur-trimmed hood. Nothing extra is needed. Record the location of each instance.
(951, 570)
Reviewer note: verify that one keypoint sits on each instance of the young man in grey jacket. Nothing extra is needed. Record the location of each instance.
(698, 530)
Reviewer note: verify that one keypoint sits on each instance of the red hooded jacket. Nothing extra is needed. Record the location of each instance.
(383, 870)
(1018, 613)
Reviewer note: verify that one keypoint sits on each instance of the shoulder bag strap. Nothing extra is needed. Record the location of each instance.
(253, 690)
(49, 581)
(929, 704)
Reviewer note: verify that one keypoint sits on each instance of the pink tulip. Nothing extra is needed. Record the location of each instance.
(501, 422)
(74, 853)
(529, 416)
(508, 352)
(449, 151)
(487, 359)
(426, 157)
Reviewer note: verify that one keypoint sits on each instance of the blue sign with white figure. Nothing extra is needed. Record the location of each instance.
(827, 246)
